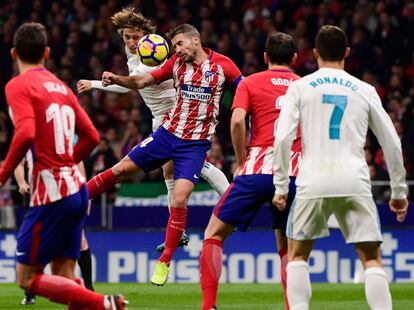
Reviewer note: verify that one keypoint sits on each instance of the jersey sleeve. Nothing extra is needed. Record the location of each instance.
(19, 100)
(284, 137)
(231, 72)
(165, 72)
(96, 84)
(383, 128)
(23, 116)
(242, 97)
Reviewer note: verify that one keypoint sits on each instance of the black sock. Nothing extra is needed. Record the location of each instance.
(85, 264)
(28, 295)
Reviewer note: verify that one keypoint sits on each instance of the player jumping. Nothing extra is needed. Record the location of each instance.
(159, 98)
(199, 77)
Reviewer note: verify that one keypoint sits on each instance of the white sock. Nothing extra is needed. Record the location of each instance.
(170, 184)
(377, 291)
(107, 303)
(299, 289)
(215, 177)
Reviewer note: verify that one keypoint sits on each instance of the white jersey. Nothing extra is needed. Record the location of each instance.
(160, 99)
(334, 110)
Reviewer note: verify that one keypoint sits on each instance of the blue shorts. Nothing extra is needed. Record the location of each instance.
(245, 195)
(162, 146)
(53, 230)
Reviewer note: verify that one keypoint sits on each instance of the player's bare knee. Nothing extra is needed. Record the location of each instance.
(180, 200)
(212, 233)
(124, 169)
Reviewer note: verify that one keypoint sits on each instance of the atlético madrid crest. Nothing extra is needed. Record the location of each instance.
(209, 76)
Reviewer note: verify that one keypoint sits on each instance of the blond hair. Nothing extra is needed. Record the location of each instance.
(128, 18)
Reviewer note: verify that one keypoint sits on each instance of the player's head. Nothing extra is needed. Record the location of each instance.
(331, 44)
(30, 44)
(186, 41)
(280, 49)
(132, 26)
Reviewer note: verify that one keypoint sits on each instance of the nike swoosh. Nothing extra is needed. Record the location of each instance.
(195, 176)
(20, 253)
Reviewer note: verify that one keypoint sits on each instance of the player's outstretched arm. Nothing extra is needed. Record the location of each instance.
(84, 86)
(131, 82)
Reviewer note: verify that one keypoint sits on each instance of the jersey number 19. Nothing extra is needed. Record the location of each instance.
(63, 118)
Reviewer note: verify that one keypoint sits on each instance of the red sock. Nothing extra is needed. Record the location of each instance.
(175, 228)
(72, 307)
(283, 263)
(210, 271)
(101, 183)
(65, 291)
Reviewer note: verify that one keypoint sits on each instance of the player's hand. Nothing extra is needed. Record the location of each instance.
(107, 78)
(280, 201)
(83, 86)
(24, 188)
(1, 185)
(399, 206)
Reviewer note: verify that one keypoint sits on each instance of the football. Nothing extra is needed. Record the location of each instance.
(152, 50)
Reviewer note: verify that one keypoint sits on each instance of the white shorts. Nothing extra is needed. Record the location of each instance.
(357, 218)
(157, 122)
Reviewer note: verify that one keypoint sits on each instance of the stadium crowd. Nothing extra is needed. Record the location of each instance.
(84, 43)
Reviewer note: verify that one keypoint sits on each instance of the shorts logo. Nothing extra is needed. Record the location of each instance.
(209, 76)
(195, 176)
(145, 142)
(20, 253)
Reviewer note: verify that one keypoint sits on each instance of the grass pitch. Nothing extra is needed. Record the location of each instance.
(231, 296)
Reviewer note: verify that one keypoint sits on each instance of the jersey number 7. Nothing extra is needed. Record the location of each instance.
(340, 103)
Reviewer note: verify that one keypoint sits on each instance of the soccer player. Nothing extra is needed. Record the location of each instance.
(85, 259)
(199, 77)
(258, 96)
(334, 110)
(45, 115)
(159, 98)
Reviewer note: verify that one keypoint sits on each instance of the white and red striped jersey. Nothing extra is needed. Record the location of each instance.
(45, 113)
(259, 95)
(260, 161)
(199, 89)
(49, 185)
